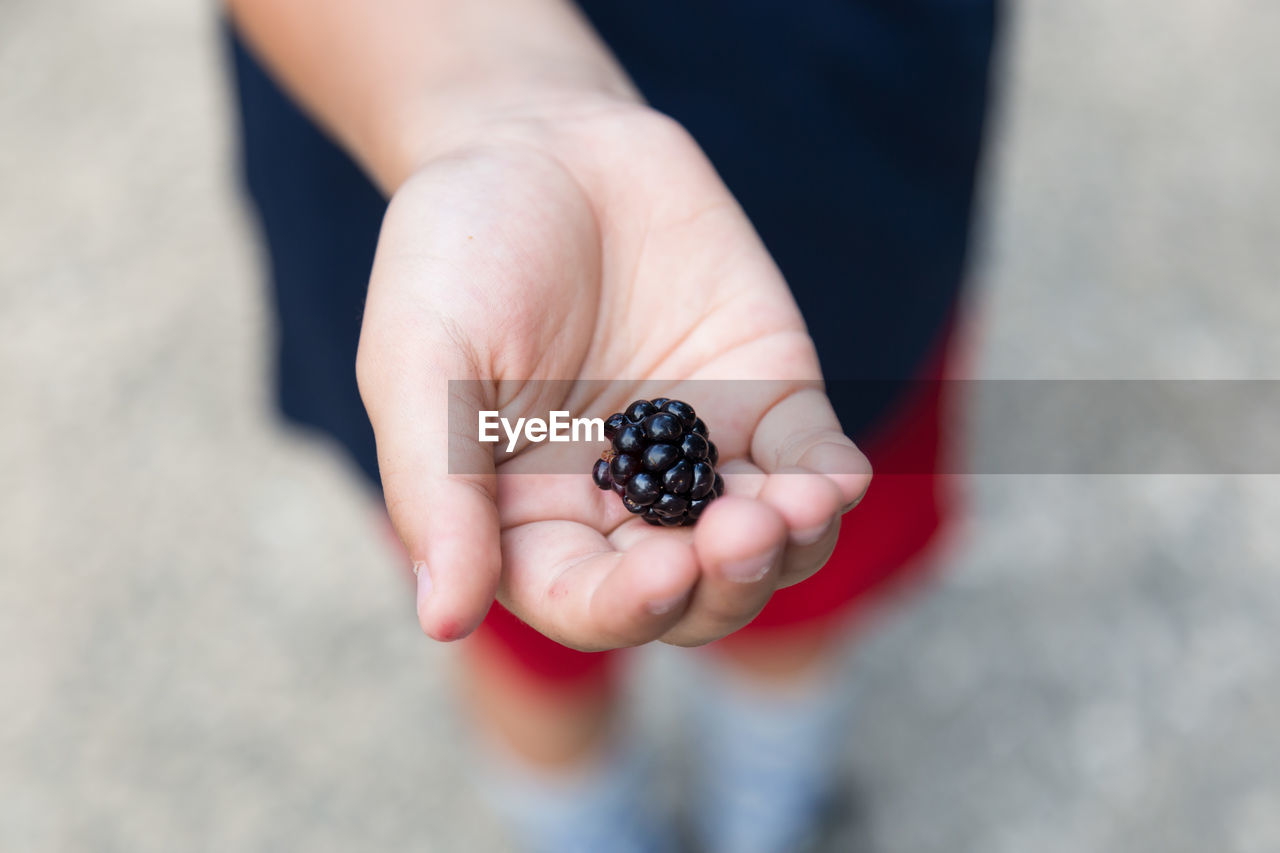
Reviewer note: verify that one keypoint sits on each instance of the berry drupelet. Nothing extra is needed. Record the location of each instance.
(661, 462)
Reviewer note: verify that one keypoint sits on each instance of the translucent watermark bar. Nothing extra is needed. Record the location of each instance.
(987, 426)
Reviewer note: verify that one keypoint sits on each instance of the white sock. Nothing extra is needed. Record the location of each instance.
(606, 807)
(767, 759)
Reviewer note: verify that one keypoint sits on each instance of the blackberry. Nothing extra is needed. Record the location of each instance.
(661, 462)
(614, 423)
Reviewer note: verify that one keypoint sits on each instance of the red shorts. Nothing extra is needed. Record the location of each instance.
(881, 540)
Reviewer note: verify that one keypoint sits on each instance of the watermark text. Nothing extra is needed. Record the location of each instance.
(558, 426)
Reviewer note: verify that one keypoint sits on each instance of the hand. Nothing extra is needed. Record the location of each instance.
(596, 245)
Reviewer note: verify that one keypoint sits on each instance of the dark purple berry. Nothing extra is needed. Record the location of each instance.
(624, 467)
(704, 480)
(694, 447)
(630, 439)
(613, 423)
(662, 427)
(678, 478)
(643, 489)
(660, 457)
(663, 462)
(600, 473)
(683, 411)
(639, 410)
(670, 504)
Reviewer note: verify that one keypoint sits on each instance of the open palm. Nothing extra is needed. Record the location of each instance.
(606, 250)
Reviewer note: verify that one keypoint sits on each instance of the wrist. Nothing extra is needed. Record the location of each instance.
(400, 83)
(441, 123)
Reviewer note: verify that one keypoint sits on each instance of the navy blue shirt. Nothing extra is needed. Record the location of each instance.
(849, 130)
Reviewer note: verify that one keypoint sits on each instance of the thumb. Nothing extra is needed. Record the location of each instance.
(438, 482)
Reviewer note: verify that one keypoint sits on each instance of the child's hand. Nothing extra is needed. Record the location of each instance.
(599, 246)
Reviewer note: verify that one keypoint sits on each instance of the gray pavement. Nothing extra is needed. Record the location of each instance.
(204, 644)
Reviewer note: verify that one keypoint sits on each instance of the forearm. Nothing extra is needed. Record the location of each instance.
(400, 81)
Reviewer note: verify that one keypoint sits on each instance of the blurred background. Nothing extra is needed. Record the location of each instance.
(206, 644)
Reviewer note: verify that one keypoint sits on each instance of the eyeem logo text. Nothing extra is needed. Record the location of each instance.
(557, 427)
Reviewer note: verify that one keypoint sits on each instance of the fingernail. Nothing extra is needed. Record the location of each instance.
(750, 570)
(424, 581)
(666, 605)
(810, 534)
(831, 458)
